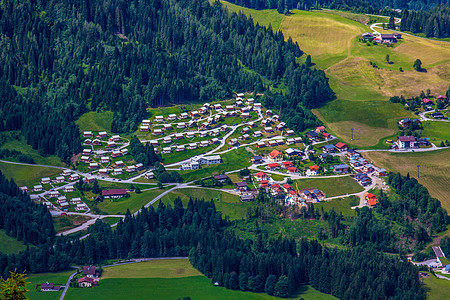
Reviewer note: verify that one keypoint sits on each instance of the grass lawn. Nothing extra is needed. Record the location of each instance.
(27, 175)
(167, 279)
(434, 169)
(437, 288)
(9, 244)
(23, 147)
(58, 278)
(436, 131)
(228, 204)
(262, 17)
(62, 223)
(93, 121)
(133, 203)
(334, 186)
(120, 185)
(111, 220)
(340, 205)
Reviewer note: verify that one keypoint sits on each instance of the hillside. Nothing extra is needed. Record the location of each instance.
(361, 90)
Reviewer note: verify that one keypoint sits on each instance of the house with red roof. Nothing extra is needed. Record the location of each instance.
(427, 101)
(114, 194)
(261, 176)
(273, 166)
(264, 183)
(320, 129)
(313, 171)
(371, 199)
(326, 135)
(86, 282)
(275, 156)
(292, 170)
(341, 146)
(287, 187)
(287, 164)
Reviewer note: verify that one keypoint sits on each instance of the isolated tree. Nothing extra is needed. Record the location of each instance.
(13, 288)
(96, 188)
(417, 65)
(387, 58)
(282, 287)
(308, 62)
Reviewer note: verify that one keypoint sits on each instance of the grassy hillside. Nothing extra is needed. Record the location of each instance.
(334, 186)
(26, 175)
(166, 279)
(362, 92)
(437, 288)
(434, 170)
(9, 244)
(228, 204)
(93, 121)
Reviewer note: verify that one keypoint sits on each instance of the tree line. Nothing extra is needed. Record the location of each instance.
(433, 23)
(80, 56)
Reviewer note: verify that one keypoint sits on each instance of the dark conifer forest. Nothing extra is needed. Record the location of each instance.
(63, 58)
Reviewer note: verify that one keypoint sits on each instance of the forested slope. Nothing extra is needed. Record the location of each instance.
(68, 57)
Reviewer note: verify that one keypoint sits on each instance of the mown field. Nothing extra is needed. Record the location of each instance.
(9, 244)
(228, 204)
(27, 175)
(434, 169)
(93, 121)
(133, 203)
(362, 91)
(334, 186)
(437, 288)
(58, 278)
(167, 279)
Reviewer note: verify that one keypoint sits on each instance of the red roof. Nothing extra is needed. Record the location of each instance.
(315, 167)
(274, 153)
(292, 169)
(292, 192)
(274, 165)
(261, 174)
(325, 134)
(425, 100)
(86, 279)
(287, 163)
(340, 145)
(114, 192)
(320, 128)
(406, 138)
(275, 186)
(287, 186)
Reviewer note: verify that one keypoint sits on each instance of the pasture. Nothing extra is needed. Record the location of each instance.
(9, 245)
(333, 186)
(94, 121)
(434, 169)
(27, 175)
(58, 278)
(167, 279)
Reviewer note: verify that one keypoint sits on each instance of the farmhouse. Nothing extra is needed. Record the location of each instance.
(261, 176)
(368, 36)
(222, 178)
(75, 201)
(93, 165)
(371, 199)
(273, 166)
(328, 148)
(275, 156)
(115, 138)
(342, 168)
(86, 282)
(341, 147)
(49, 287)
(74, 177)
(427, 101)
(264, 183)
(406, 142)
(114, 194)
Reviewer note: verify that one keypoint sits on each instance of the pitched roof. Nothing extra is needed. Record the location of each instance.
(315, 167)
(274, 153)
(340, 145)
(114, 192)
(260, 174)
(406, 138)
(241, 184)
(287, 163)
(287, 186)
(273, 165)
(89, 270)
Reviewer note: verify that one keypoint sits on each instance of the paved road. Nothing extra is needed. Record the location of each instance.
(88, 223)
(438, 251)
(66, 287)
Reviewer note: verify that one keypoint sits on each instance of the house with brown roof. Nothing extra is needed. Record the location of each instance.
(49, 287)
(86, 282)
(114, 193)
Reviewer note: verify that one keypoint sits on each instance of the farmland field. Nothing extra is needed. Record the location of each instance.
(58, 278)
(93, 121)
(133, 203)
(27, 175)
(9, 244)
(167, 279)
(436, 131)
(434, 169)
(334, 186)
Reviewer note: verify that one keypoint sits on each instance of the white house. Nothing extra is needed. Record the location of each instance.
(204, 144)
(172, 117)
(45, 180)
(167, 150)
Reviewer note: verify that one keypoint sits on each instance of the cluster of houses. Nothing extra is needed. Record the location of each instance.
(319, 134)
(110, 142)
(91, 275)
(388, 38)
(363, 168)
(407, 122)
(195, 162)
